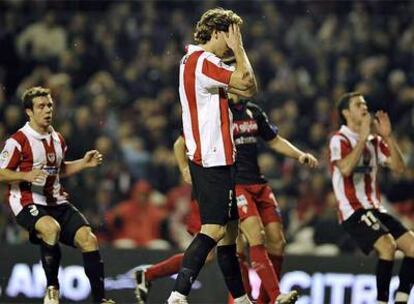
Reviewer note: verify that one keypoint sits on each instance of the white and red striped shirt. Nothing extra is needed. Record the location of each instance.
(360, 189)
(26, 150)
(207, 120)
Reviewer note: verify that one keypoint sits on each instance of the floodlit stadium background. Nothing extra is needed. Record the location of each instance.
(113, 68)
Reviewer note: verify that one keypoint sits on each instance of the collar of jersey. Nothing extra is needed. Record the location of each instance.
(351, 134)
(191, 48)
(27, 128)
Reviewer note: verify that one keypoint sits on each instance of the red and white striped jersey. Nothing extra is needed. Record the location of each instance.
(26, 150)
(360, 189)
(207, 120)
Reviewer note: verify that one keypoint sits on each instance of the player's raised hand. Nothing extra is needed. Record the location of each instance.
(382, 124)
(309, 160)
(365, 129)
(92, 159)
(36, 176)
(233, 37)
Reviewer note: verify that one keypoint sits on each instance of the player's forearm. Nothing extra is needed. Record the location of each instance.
(244, 71)
(244, 93)
(349, 162)
(9, 176)
(285, 147)
(396, 160)
(179, 153)
(72, 167)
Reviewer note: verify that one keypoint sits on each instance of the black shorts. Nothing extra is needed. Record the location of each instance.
(213, 188)
(68, 217)
(366, 226)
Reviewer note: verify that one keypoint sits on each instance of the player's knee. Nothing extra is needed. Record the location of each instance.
(48, 229)
(387, 247)
(85, 239)
(255, 238)
(276, 245)
(216, 232)
(408, 249)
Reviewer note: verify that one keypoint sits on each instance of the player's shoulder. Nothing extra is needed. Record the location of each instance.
(252, 105)
(58, 137)
(19, 137)
(338, 137)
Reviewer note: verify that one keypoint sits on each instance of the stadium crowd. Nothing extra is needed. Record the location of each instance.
(113, 68)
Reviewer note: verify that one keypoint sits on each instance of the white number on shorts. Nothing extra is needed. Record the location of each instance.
(369, 219)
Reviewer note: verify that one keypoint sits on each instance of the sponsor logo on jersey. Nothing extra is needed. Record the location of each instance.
(245, 127)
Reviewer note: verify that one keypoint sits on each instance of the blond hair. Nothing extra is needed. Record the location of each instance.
(32, 93)
(216, 19)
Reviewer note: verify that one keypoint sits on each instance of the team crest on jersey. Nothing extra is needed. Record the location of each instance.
(51, 157)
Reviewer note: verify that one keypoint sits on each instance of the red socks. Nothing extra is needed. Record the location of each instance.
(165, 268)
(263, 266)
(244, 269)
(277, 261)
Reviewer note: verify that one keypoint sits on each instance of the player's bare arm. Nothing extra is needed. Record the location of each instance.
(91, 159)
(34, 176)
(285, 147)
(182, 160)
(383, 127)
(349, 162)
(243, 80)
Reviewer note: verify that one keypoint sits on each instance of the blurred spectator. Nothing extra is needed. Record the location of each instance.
(136, 222)
(42, 41)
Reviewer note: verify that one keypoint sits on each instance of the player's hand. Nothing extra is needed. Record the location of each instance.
(365, 127)
(382, 124)
(233, 37)
(309, 160)
(185, 172)
(92, 159)
(36, 176)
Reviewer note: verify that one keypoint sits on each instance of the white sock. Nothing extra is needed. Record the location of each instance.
(176, 295)
(401, 297)
(242, 300)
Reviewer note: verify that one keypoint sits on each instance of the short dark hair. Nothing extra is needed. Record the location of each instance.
(343, 104)
(32, 93)
(216, 19)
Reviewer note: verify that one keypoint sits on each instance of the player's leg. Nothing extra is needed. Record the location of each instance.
(275, 244)
(193, 260)
(48, 230)
(405, 242)
(385, 247)
(252, 229)
(272, 221)
(145, 275)
(76, 232)
(209, 185)
(228, 262)
(243, 263)
(275, 239)
(87, 242)
(370, 233)
(44, 230)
